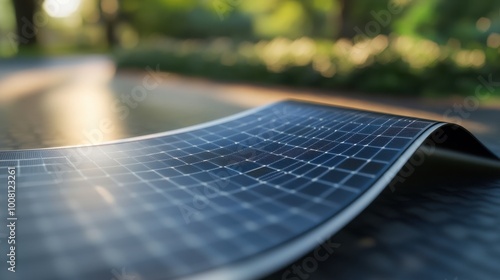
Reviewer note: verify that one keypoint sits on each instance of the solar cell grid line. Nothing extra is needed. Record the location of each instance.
(279, 178)
(193, 194)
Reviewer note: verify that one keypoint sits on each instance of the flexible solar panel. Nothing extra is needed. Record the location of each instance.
(232, 199)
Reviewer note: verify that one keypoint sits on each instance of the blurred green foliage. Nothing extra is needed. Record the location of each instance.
(183, 19)
(397, 64)
(6, 24)
(403, 46)
(437, 20)
(388, 46)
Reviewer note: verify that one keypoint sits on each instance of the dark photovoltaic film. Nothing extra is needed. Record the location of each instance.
(191, 201)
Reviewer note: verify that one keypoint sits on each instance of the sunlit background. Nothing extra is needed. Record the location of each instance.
(392, 45)
(351, 52)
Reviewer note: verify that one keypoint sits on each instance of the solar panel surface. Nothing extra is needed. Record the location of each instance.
(197, 200)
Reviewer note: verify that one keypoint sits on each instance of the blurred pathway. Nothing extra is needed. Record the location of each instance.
(81, 100)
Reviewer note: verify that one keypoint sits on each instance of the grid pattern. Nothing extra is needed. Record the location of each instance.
(183, 203)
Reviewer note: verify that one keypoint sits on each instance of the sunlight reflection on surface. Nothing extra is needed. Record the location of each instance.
(76, 104)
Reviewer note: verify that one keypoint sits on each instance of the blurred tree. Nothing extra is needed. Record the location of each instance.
(346, 30)
(109, 10)
(26, 30)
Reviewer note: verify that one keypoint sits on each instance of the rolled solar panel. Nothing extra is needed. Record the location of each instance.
(236, 198)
